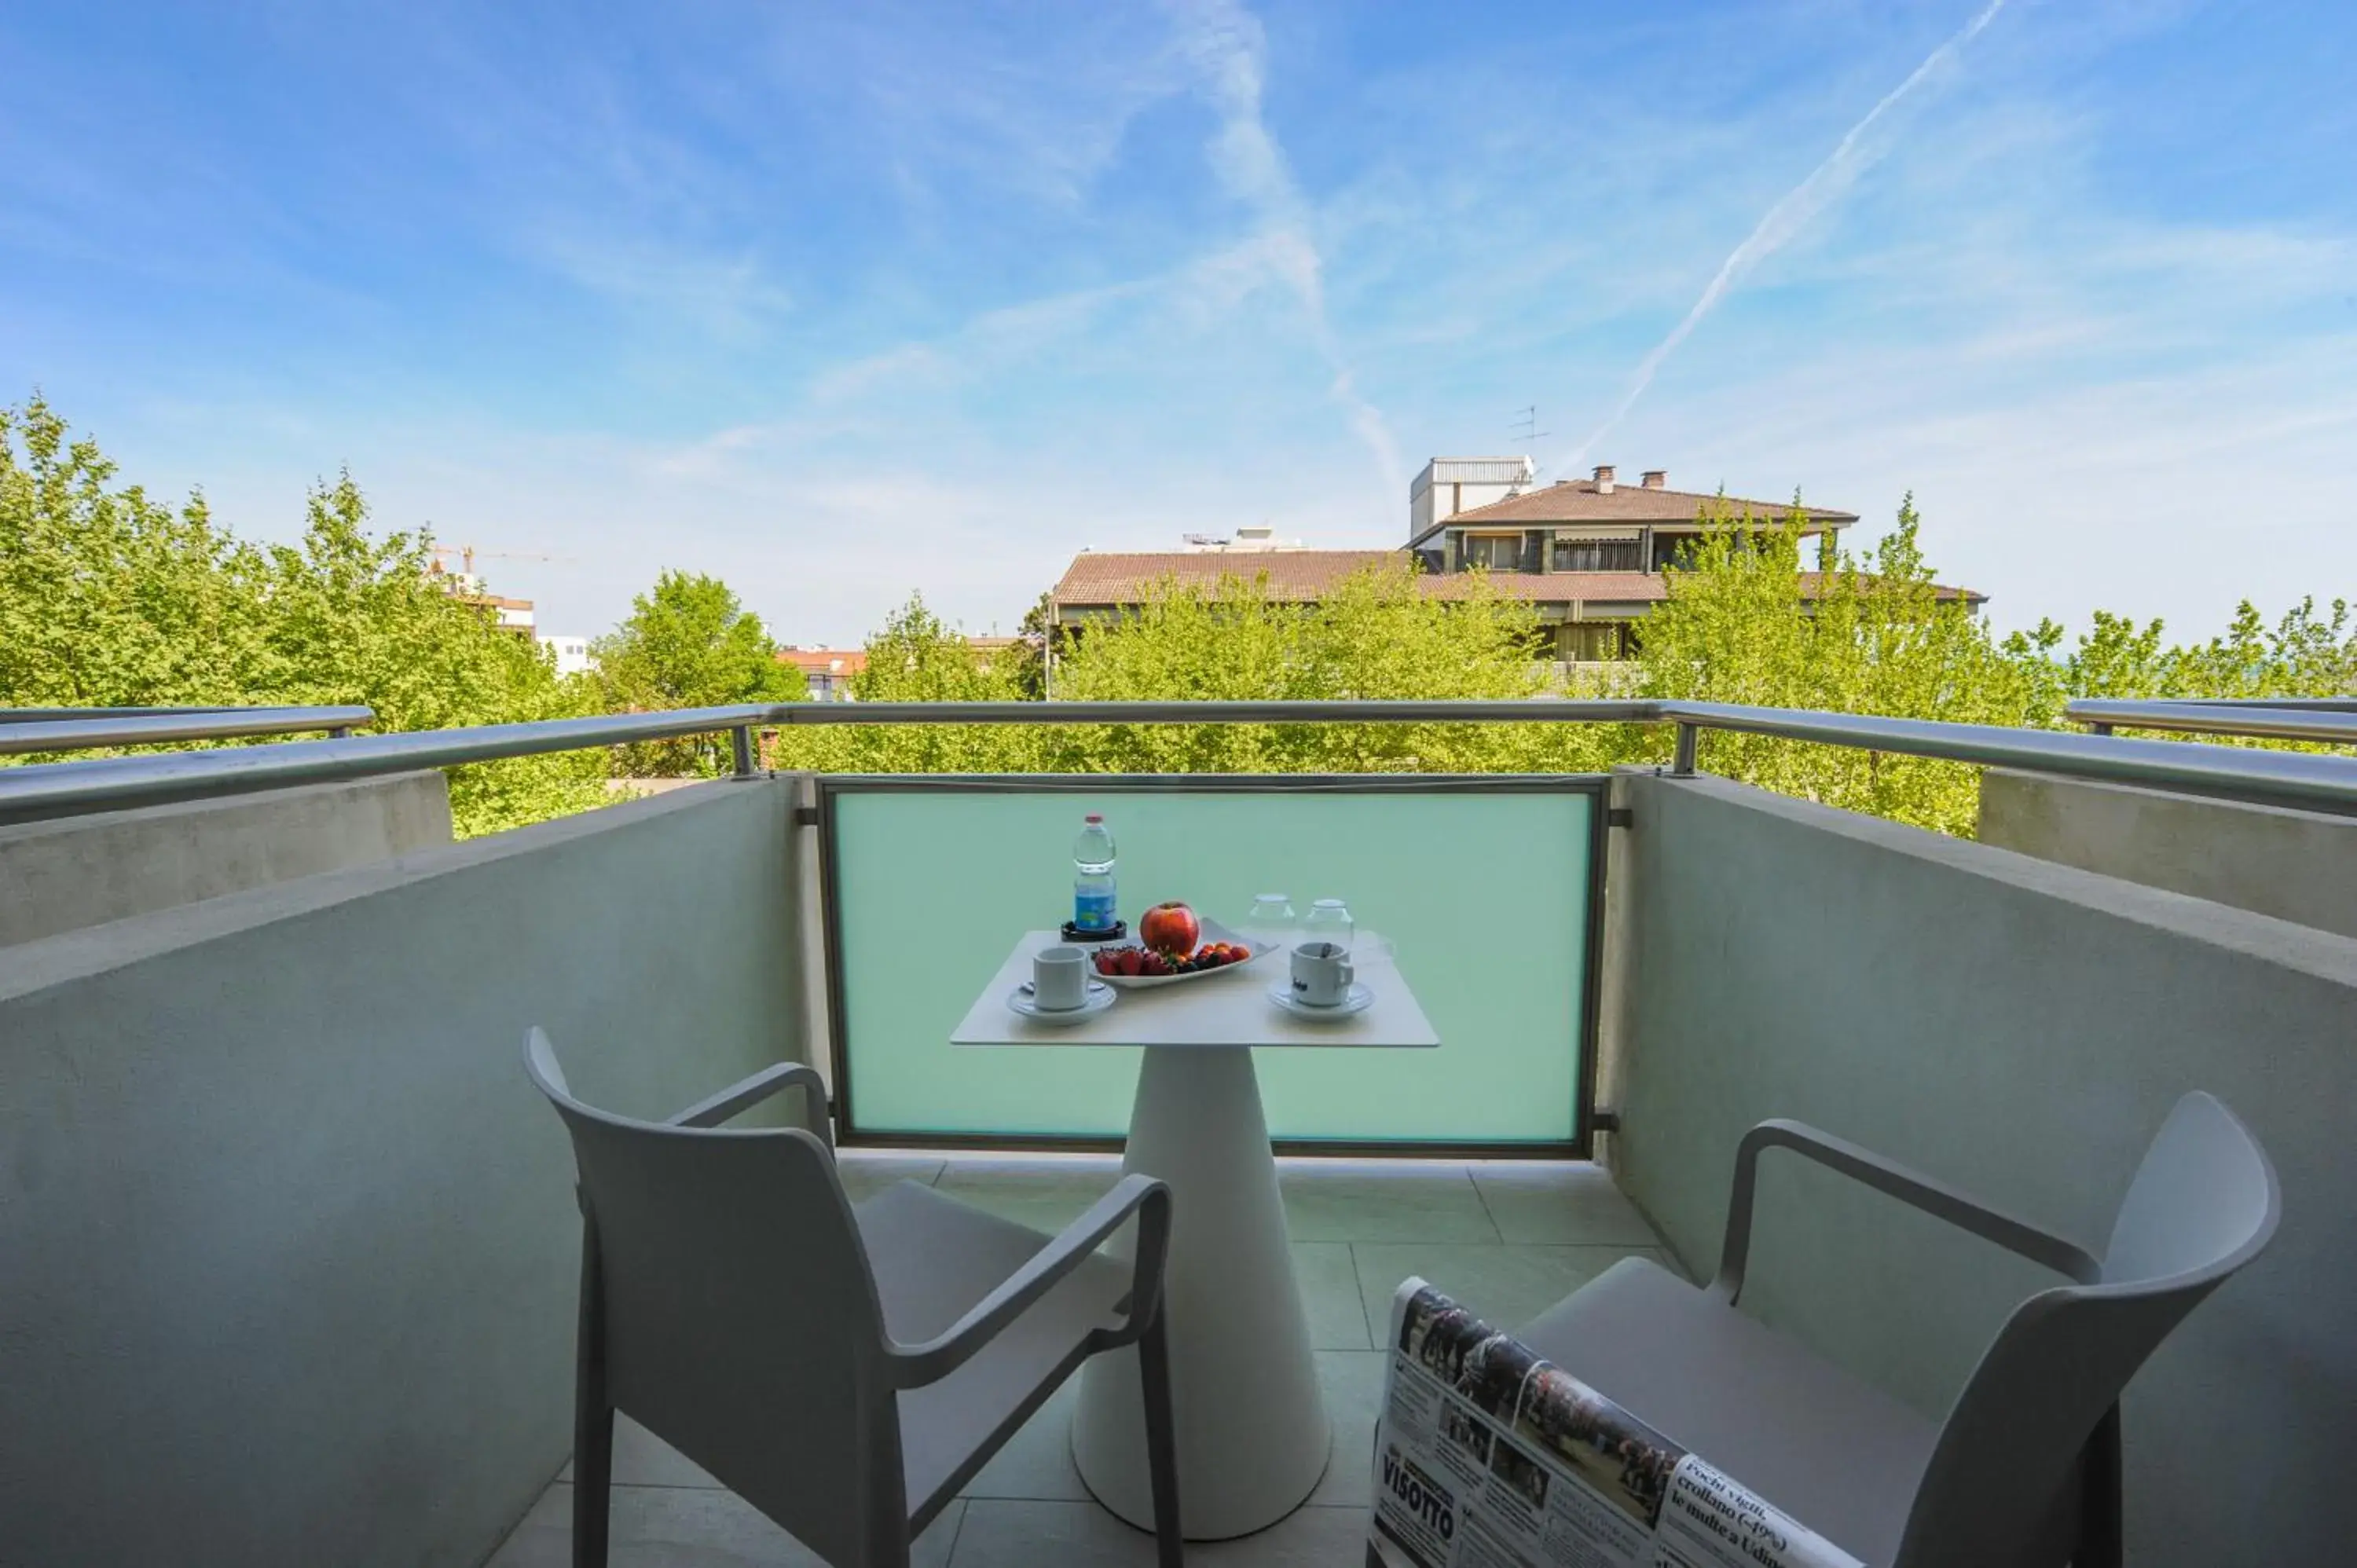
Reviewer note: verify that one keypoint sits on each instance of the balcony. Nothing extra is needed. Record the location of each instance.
(290, 1244)
(1517, 1235)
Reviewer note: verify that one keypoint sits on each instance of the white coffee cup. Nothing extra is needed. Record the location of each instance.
(1060, 979)
(1321, 974)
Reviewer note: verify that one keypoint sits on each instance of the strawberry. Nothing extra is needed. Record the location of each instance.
(1127, 961)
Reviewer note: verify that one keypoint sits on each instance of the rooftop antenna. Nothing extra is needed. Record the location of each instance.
(1526, 431)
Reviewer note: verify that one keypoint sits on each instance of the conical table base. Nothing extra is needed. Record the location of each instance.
(1252, 1432)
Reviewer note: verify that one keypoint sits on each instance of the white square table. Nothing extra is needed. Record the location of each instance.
(1251, 1430)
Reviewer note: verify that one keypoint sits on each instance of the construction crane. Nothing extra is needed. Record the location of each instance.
(466, 553)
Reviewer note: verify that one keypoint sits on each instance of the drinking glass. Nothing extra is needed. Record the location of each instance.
(1272, 923)
(1329, 921)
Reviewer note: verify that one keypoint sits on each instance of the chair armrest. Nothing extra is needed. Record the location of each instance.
(739, 1098)
(917, 1364)
(1888, 1176)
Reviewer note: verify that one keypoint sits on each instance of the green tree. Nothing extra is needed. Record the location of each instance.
(1379, 633)
(1866, 632)
(1038, 640)
(916, 657)
(2304, 654)
(688, 643)
(1870, 633)
(108, 598)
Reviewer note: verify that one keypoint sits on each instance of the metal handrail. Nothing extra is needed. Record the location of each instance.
(53, 730)
(66, 788)
(2289, 777)
(1356, 710)
(113, 783)
(44, 715)
(2319, 704)
(2327, 720)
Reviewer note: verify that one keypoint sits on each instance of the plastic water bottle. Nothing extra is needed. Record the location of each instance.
(1093, 890)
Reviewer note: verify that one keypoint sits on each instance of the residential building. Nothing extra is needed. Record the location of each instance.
(571, 653)
(987, 648)
(1588, 555)
(508, 614)
(828, 669)
(1451, 485)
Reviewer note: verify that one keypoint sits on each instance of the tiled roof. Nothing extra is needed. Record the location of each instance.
(824, 660)
(849, 661)
(1298, 576)
(1581, 500)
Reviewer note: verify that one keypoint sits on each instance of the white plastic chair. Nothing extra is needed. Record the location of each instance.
(2025, 1470)
(843, 1369)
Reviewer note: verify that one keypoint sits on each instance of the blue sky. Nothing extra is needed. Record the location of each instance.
(841, 302)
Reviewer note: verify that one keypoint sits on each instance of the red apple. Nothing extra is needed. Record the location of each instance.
(1170, 929)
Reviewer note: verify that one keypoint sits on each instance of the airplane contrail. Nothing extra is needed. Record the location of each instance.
(1227, 43)
(1783, 220)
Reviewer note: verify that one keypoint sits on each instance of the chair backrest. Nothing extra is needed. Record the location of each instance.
(2003, 1483)
(724, 1274)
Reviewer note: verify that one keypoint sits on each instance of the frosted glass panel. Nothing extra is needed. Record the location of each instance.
(1485, 894)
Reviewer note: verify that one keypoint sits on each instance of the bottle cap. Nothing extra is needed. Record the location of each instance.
(1093, 817)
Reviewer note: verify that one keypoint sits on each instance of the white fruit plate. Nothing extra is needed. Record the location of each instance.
(1212, 931)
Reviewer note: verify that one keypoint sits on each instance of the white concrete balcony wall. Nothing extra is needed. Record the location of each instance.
(2018, 1027)
(287, 1245)
(2296, 865)
(71, 872)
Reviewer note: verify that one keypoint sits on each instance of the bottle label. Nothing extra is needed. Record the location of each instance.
(1092, 909)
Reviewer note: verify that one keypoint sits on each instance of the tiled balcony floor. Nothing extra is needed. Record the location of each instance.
(1507, 1239)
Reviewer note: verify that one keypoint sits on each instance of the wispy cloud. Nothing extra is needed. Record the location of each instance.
(841, 301)
(731, 298)
(1227, 44)
(1851, 157)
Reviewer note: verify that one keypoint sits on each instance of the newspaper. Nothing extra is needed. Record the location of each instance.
(1488, 1458)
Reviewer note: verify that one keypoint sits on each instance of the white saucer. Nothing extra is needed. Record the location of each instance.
(1359, 1000)
(1099, 997)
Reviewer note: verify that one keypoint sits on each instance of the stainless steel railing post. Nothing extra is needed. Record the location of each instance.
(1682, 760)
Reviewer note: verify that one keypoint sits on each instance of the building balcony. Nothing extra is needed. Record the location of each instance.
(1515, 1235)
(290, 1244)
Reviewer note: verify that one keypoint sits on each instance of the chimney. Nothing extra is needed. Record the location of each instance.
(1603, 479)
(1656, 478)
